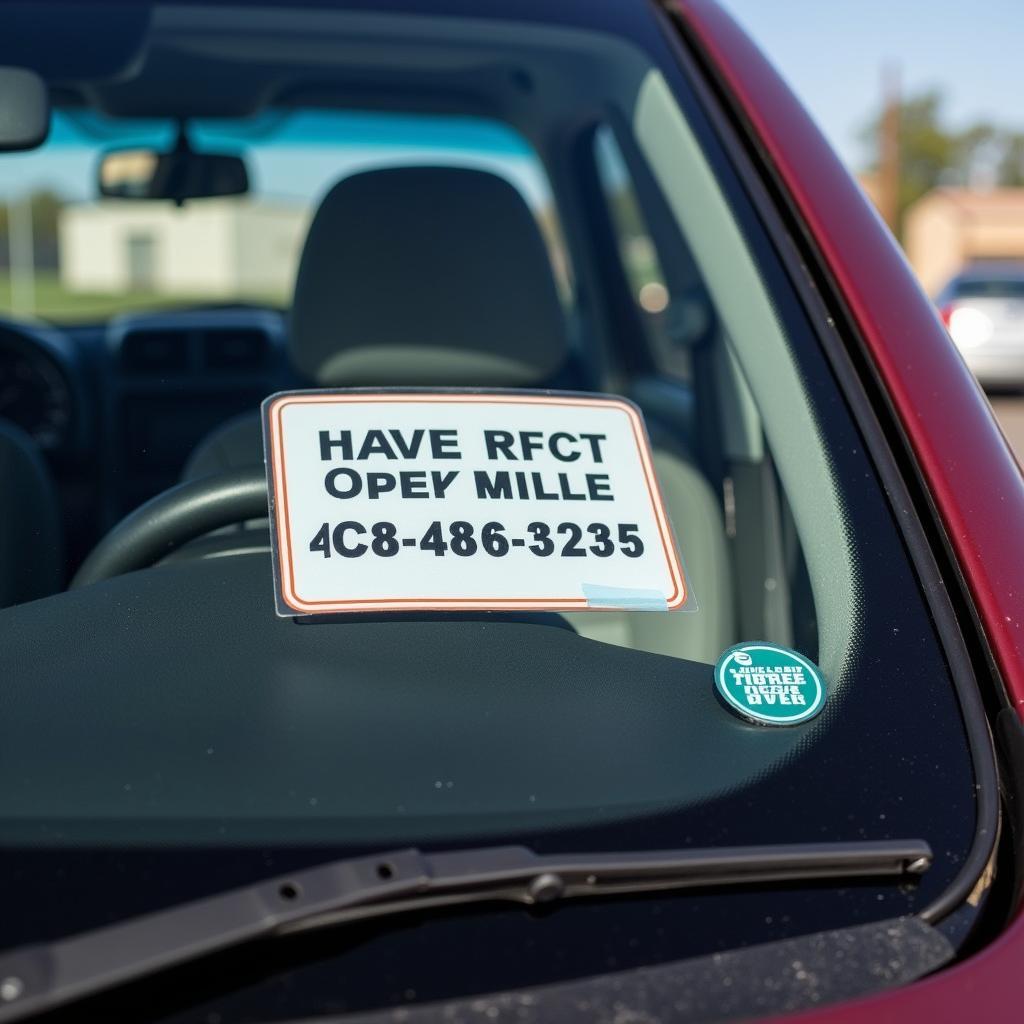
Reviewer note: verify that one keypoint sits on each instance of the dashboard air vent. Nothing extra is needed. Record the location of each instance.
(154, 351)
(236, 349)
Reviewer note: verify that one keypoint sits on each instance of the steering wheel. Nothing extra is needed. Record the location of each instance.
(164, 523)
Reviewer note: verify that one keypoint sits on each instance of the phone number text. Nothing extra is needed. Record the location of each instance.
(351, 539)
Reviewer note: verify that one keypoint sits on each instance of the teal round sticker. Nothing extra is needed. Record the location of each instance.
(770, 684)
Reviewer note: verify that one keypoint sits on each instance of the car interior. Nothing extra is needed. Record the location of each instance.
(414, 275)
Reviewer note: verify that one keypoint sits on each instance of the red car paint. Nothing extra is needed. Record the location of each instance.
(973, 478)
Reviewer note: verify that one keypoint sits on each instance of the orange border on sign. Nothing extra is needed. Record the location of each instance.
(286, 562)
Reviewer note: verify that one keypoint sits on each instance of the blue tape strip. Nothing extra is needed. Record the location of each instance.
(628, 598)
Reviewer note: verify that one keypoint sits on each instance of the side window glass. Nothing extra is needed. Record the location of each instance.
(639, 257)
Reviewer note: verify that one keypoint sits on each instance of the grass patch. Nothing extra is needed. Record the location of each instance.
(52, 301)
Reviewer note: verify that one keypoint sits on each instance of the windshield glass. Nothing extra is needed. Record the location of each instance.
(53, 270)
(533, 206)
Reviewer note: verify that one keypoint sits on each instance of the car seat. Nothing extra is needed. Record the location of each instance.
(439, 277)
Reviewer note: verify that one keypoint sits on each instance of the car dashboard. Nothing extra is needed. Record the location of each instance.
(117, 408)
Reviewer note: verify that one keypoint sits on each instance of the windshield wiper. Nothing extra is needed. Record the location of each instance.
(40, 977)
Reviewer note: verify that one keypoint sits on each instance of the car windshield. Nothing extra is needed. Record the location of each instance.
(293, 155)
(542, 207)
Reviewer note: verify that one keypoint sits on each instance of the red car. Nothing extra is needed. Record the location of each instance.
(490, 529)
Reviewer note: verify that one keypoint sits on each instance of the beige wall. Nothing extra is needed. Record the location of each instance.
(269, 242)
(933, 239)
(211, 248)
(950, 227)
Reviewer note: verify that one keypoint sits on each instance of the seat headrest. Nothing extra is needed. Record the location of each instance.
(426, 276)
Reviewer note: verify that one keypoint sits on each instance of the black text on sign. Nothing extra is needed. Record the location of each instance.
(452, 501)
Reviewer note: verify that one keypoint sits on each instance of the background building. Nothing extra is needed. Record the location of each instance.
(950, 227)
(209, 248)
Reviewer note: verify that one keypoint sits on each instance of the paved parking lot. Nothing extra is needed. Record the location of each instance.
(1010, 412)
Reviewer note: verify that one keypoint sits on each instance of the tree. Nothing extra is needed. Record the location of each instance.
(932, 154)
(1011, 164)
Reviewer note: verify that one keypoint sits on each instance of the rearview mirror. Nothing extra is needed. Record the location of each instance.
(24, 109)
(179, 175)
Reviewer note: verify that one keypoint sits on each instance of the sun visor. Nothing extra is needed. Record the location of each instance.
(24, 109)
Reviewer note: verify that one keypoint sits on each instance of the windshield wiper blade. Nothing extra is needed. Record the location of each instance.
(40, 977)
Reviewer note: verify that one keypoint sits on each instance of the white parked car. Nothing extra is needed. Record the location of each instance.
(983, 307)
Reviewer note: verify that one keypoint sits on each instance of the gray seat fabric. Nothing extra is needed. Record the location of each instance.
(414, 276)
(429, 276)
(707, 626)
(31, 551)
(237, 444)
(440, 277)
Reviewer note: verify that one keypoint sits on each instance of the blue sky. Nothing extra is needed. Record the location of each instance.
(832, 53)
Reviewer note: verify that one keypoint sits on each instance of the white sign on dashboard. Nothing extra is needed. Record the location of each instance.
(458, 500)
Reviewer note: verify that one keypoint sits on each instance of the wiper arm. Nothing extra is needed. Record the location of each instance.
(40, 977)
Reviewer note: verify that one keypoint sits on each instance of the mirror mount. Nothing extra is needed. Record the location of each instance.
(182, 151)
